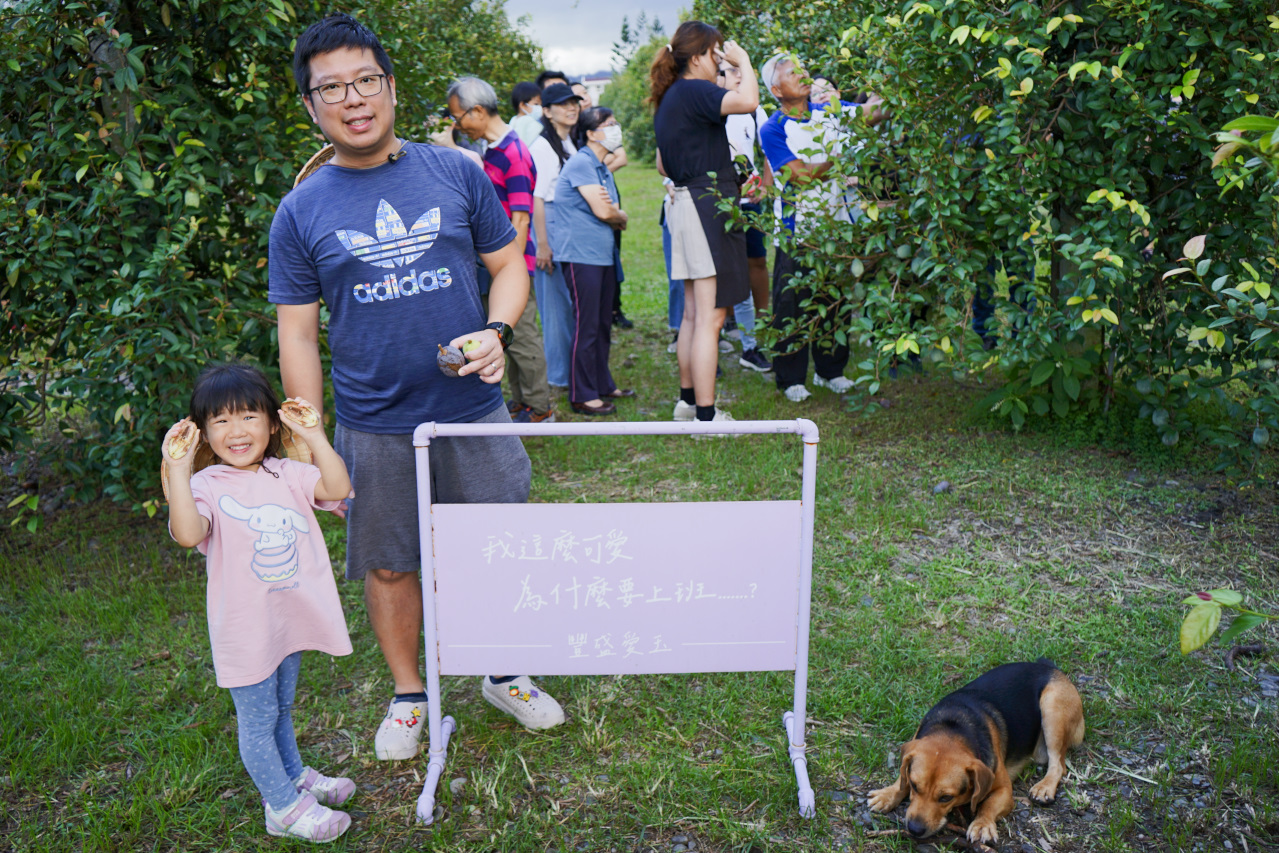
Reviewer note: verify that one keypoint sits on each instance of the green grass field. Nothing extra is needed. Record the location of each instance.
(117, 739)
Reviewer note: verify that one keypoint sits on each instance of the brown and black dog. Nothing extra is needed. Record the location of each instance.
(975, 741)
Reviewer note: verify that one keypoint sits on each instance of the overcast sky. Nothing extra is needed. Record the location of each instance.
(577, 35)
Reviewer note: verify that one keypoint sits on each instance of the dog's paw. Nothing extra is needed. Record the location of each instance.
(885, 799)
(982, 831)
(1044, 792)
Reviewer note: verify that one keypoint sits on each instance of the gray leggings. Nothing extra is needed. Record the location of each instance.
(267, 746)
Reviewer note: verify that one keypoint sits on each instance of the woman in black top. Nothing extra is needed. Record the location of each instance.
(691, 144)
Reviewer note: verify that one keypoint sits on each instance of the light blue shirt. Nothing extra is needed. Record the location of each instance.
(580, 236)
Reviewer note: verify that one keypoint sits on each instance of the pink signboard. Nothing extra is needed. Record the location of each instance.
(592, 589)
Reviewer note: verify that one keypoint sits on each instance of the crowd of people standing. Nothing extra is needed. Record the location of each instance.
(714, 141)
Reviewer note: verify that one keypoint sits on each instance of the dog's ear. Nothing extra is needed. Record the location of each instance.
(980, 780)
(903, 776)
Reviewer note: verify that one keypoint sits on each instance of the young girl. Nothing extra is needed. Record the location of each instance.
(271, 591)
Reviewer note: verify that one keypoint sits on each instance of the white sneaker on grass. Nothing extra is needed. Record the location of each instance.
(684, 411)
(532, 707)
(400, 734)
(328, 790)
(797, 393)
(840, 384)
(308, 820)
(721, 416)
(725, 345)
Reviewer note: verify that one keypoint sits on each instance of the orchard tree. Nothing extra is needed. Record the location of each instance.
(1069, 147)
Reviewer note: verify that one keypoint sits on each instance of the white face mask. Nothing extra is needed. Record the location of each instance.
(612, 137)
(534, 110)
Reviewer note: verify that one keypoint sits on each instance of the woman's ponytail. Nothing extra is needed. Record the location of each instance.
(691, 39)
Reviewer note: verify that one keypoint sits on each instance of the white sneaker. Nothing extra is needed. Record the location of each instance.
(328, 790)
(732, 334)
(307, 819)
(674, 344)
(797, 393)
(684, 411)
(532, 707)
(725, 345)
(840, 384)
(720, 415)
(400, 734)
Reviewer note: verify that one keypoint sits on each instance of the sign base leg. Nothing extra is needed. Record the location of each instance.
(795, 746)
(426, 800)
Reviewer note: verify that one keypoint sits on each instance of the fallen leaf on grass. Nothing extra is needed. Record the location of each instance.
(165, 655)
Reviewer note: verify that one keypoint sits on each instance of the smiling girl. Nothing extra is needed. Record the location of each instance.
(271, 592)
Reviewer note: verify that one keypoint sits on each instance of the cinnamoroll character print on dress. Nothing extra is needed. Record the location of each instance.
(277, 554)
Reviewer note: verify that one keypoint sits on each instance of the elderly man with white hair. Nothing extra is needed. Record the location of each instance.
(799, 139)
(474, 107)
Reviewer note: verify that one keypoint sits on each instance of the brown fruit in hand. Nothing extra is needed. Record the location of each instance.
(180, 443)
(301, 412)
(450, 360)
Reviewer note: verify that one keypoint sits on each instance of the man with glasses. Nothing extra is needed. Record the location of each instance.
(386, 234)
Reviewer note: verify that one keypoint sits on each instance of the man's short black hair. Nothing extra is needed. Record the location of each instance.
(334, 33)
(548, 74)
(523, 93)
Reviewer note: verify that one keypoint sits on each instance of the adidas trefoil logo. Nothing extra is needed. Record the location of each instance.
(394, 245)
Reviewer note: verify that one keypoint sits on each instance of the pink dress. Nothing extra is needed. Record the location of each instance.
(271, 590)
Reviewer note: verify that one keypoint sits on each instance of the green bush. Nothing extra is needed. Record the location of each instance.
(1064, 139)
(143, 150)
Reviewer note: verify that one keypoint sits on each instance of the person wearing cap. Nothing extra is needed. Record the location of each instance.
(550, 151)
(708, 255)
(799, 140)
(473, 105)
(387, 236)
(526, 101)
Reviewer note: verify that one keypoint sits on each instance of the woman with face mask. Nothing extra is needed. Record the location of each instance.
(526, 100)
(586, 215)
(550, 152)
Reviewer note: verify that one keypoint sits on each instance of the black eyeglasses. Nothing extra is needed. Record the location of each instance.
(335, 93)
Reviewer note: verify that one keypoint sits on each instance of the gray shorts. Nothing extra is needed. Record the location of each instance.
(381, 526)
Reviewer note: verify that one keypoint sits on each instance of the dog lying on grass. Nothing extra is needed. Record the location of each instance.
(975, 741)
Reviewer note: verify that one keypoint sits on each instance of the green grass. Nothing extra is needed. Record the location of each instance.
(116, 737)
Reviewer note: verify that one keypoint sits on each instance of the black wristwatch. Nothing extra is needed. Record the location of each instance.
(505, 333)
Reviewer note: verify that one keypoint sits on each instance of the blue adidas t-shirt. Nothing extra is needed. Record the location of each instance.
(391, 251)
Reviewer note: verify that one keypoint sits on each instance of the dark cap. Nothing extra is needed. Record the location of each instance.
(558, 93)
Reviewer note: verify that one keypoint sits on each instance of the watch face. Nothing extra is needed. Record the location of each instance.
(504, 333)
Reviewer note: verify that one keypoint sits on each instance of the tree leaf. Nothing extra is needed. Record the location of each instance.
(1226, 597)
(1253, 123)
(1198, 626)
(1042, 372)
(1194, 247)
(1071, 386)
(1241, 623)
